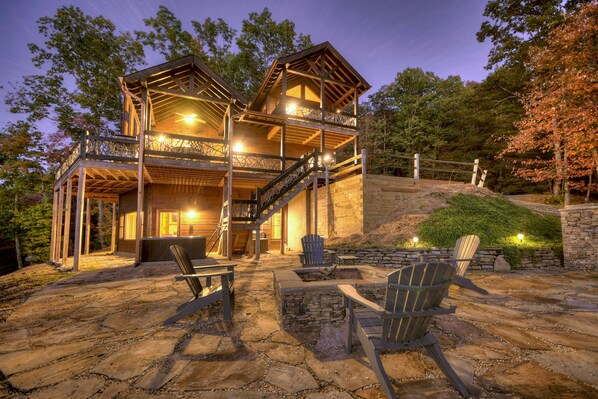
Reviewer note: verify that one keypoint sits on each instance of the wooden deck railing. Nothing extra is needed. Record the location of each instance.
(417, 168)
(170, 146)
(313, 114)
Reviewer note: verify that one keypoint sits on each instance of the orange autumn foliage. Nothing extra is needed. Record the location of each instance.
(558, 136)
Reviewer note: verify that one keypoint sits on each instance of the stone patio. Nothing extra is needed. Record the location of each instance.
(99, 334)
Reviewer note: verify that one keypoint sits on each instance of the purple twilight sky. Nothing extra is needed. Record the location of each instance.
(379, 38)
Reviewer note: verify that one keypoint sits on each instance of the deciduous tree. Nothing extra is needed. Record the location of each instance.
(561, 109)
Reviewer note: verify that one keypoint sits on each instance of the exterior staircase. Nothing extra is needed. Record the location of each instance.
(251, 214)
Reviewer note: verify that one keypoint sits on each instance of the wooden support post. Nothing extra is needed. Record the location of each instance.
(416, 167)
(283, 228)
(323, 141)
(140, 175)
(356, 140)
(229, 231)
(258, 243)
(474, 176)
(323, 88)
(483, 178)
(363, 162)
(315, 204)
(54, 226)
(113, 240)
(59, 226)
(283, 149)
(67, 221)
(79, 219)
(87, 225)
(307, 213)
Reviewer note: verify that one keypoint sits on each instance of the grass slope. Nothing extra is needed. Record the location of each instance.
(496, 220)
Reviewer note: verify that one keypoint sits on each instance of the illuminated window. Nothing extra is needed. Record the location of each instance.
(169, 223)
(130, 225)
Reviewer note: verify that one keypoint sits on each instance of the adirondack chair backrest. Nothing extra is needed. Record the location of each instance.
(181, 257)
(313, 249)
(414, 290)
(465, 248)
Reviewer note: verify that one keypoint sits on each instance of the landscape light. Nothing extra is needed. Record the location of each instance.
(520, 237)
(161, 139)
(326, 157)
(415, 241)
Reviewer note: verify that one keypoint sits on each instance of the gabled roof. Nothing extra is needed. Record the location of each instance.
(183, 84)
(342, 77)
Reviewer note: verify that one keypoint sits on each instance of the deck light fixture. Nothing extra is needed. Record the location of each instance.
(161, 139)
(291, 107)
(191, 214)
(190, 118)
(238, 147)
(520, 237)
(415, 241)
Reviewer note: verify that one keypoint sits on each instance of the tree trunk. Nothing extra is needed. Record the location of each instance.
(565, 169)
(17, 241)
(587, 199)
(556, 188)
(18, 250)
(101, 223)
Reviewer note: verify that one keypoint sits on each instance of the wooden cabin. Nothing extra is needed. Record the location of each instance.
(197, 162)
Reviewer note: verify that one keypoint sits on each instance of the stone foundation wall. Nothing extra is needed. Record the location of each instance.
(580, 236)
(399, 257)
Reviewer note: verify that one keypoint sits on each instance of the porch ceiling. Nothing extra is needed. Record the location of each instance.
(185, 86)
(306, 135)
(184, 176)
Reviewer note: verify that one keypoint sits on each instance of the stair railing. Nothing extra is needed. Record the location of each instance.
(278, 187)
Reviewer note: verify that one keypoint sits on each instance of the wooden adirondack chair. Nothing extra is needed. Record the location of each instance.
(314, 254)
(414, 294)
(465, 249)
(203, 296)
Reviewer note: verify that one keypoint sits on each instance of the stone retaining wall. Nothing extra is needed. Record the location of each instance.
(398, 257)
(580, 236)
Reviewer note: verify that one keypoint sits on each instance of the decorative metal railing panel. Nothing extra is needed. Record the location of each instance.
(340, 118)
(244, 210)
(69, 161)
(257, 162)
(110, 148)
(286, 181)
(315, 114)
(185, 147)
(303, 112)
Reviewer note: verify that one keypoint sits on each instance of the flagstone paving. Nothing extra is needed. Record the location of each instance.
(98, 334)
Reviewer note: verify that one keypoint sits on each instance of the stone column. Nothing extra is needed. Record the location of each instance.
(579, 224)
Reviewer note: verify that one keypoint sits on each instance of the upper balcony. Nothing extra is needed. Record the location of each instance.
(296, 110)
(164, 149)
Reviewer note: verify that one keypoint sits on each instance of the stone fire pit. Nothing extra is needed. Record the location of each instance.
(306, 302)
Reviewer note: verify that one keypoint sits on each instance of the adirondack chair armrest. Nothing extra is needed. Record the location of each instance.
(301, 257)
(209, 274)
(351, 293)
(230, 267)
(426, 257)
